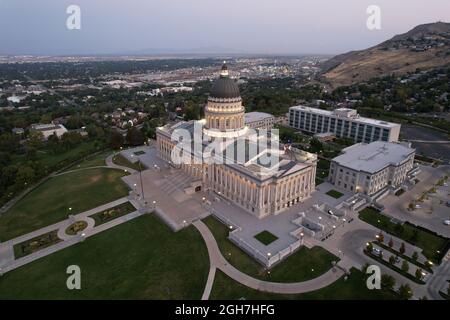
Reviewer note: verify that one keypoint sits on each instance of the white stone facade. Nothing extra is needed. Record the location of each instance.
(372, 168)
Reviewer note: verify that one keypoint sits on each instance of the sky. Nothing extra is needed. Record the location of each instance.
(239, 26)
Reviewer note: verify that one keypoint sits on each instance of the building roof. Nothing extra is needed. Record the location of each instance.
(47, 127)
(256, 116)
(374, 156)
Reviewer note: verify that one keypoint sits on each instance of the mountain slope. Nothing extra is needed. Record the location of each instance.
(426, 46)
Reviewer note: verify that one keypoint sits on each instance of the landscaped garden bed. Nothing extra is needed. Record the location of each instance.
(335, 194)
(112, 213)
(266, 237)
(393, 267)
(432, 244)
(404, 256)
(76, 227)
(40, 242)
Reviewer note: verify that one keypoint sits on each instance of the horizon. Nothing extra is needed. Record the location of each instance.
(184, 27)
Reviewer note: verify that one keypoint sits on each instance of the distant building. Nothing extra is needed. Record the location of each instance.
(343, 123)
(259, 120)
(49, 129)
(372, 168)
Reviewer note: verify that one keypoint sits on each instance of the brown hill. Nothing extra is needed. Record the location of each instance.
(426, 46)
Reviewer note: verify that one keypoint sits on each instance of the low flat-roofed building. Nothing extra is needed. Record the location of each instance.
(343, 123)
(259, 120)
(372, 168)
(48, 129)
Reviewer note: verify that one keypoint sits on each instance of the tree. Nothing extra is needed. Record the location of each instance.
(392, 259)
(405, 266)
(381, 237)
(415, 256)
(391, 243)
(405, 292)
(369, 247)
(35, 139)
(115, 140)
(387, 282)
(402, 248)
(135, 137)
(419, 273)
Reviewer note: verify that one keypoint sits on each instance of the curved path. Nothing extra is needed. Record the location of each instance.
(111, 164)
(218, 261)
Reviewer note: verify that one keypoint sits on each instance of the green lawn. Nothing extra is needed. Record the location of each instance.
(302, 265)
(50, 202)
(334, 194)
(122, 161)
(265, 237)
(354, 288)
(49, 159)
(140, 259)
(429, 242)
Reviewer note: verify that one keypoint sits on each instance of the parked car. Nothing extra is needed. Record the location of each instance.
(447, 222)
(377, 251)
(330, 212)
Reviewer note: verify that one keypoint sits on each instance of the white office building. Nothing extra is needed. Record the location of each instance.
(259, 120)
(373, 168)
(48, 129)
(343, 123)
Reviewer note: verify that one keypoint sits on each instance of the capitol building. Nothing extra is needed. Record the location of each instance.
(243, 176)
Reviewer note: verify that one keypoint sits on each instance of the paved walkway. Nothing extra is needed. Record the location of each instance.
(8, 261)
(217, 261)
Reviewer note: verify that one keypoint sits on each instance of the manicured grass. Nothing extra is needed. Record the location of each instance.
(302, 265)
(37, 243)
(139, 259)
(354, 288)
(265, 237)
(334, 194)
(50, 202)
(113, 213)
(122, 161)
(50, 159)
(429, 242)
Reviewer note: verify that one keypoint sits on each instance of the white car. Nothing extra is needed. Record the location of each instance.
(377, 251)
(447, 222)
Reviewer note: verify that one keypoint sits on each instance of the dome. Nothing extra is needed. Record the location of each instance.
(224, 87)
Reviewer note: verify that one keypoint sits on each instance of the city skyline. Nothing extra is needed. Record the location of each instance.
(156, 27)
